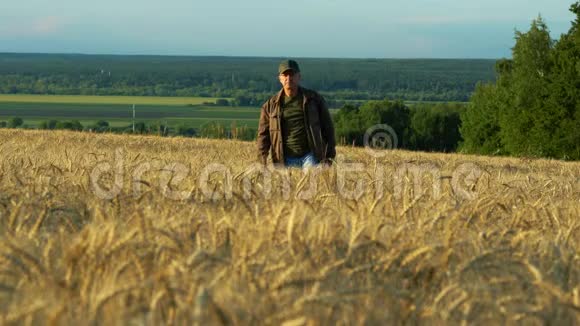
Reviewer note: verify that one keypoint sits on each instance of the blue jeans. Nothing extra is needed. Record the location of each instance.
(306, 161)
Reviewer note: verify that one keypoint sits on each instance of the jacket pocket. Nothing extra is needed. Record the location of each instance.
(274, 123)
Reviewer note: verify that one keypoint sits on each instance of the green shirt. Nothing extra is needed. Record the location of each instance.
(294, 134)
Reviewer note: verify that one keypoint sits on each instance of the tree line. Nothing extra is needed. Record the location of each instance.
(425, 127)
(533, 107)
(249, 81)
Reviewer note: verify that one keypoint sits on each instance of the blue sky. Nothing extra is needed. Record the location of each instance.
(298, 28)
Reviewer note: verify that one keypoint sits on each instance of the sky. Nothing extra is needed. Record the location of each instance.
(272, 28)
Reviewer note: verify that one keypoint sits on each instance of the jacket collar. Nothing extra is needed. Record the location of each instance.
(280, 96)
(304, 91)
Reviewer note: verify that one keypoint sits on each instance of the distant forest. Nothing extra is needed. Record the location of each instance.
(246, 80)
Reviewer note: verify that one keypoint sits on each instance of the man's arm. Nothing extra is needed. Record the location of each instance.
(264, 142)
(327, 128)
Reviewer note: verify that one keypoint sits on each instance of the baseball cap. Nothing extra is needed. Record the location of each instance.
(288, 65)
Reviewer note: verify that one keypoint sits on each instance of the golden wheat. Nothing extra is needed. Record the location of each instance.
(112, 229)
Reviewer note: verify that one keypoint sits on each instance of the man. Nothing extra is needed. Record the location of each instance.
(295, 125)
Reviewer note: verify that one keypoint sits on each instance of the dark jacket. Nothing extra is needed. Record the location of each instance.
(319, 128)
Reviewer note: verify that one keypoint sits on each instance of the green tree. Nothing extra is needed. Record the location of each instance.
(525, 126)
(76, 125)
(185, 130)
(347, 126)
(532, 109)
(64, 125)
(102, 124)
(161, 128)
(352, 122)
(49, 124)
(480, 127)
(140, 127)
(242, 100)
(222, 102)
(435, 127)
(15, 122)
(69, 125)
(563, 101)
(393, 113)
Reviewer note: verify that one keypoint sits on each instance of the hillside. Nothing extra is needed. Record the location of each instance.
(119, 229)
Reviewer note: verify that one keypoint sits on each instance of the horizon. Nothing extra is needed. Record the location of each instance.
(370, 29)
(235, 56)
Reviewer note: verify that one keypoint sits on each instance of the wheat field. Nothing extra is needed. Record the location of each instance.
(130, 230)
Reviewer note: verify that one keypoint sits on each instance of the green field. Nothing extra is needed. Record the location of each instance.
(81, 99)
(117, 110)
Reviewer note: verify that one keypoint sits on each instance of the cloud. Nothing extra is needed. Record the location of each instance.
(41, 26)
(47, 25)
(450, 20)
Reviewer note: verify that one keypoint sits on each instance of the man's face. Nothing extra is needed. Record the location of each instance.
(289, 79)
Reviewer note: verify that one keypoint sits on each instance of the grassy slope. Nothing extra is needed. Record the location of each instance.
(509, 254)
